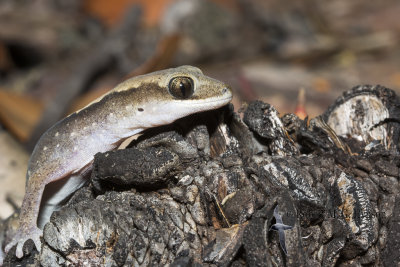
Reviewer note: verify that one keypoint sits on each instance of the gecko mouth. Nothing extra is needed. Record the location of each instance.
(225, 99)
(213, 101)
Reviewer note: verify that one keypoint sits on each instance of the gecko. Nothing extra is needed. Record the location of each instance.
(66, 150)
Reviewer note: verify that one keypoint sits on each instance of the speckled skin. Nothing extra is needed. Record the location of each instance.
(67, 149)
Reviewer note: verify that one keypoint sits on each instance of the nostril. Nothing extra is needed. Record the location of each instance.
(224, 90)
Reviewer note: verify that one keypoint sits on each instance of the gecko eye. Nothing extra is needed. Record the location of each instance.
(181, 87)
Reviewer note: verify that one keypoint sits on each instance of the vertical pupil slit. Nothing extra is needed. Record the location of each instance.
(182, 87)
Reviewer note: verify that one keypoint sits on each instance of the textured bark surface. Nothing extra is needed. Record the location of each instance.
(203, 192)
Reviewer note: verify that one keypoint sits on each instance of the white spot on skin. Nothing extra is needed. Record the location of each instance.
(56, 134)
(75, 148)
(45, 148)
(58, 145)
(73, 133)
(94, 124)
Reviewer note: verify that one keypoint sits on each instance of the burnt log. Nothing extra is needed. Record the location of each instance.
(202, 192)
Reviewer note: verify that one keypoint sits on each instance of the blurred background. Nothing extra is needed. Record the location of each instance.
(56, 56)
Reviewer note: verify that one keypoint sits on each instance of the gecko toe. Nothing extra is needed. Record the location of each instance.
(9, 246)
(19, 253)
(38, 243)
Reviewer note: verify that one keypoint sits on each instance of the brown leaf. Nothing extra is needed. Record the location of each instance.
(19, 113)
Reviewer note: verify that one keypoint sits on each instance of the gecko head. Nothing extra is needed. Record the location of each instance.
(191, 91)
(170, 94)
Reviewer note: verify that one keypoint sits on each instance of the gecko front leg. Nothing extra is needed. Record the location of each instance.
(27, 228)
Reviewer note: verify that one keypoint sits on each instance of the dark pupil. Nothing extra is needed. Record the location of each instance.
(181, 87)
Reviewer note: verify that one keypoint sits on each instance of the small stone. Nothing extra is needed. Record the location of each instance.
(310, 238)
(369, 257)
(374, 178)
(387, 168)
(240, 206)
(306, 160)
(327, 163)
(331, 251)
(364, 165)
(330, 228)
(312, 262)
(386, 206)
(316, 173)
(389, 184)
(383, 236)
(198, 213)
(177, 193)
(231, 161)
(186, 180)
(391, 253)
(191, 193)
(350, 263)
(371, 188)
(327, 232)
(359, 173)
(139, 167)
